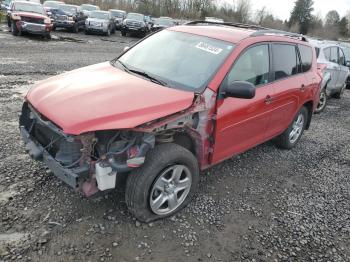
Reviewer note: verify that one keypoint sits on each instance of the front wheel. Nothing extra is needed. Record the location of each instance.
(290, 137)
(123, 33)
(164, 185)
(108, 33)
(322, 103)
(14, 28)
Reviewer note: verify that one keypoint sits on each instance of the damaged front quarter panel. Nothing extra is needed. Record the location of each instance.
(198, 122)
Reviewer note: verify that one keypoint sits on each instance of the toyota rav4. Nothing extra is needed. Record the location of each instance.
(174, 104)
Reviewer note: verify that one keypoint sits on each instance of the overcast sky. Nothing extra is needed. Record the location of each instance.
(282, 8)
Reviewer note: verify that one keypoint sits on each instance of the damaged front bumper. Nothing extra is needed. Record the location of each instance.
(71, 176)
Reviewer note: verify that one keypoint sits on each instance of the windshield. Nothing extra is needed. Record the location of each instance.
(32, 8)
(99, 15)
(117, 14)
(166, 22)
(52, 4)
(184, 61)
(89, 7)
(6, 2)
(135, 17)
(71, 9)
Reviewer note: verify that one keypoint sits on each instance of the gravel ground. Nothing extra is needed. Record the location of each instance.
(264, 205)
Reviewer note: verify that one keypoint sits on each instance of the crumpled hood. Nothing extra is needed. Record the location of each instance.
(102, 97)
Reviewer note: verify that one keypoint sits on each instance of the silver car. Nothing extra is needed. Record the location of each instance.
(100, 22)
(332, 56)
(118, 16)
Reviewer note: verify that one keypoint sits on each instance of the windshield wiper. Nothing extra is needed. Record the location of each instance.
(144, 74)
(153, 79)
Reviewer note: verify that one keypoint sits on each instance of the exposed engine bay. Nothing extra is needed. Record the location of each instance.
(91, 162)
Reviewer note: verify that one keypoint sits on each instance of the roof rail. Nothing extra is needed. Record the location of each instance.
(240, 25)
(279, 32)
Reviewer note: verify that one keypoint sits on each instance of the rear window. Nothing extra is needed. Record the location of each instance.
(306, 57)
(288, 65)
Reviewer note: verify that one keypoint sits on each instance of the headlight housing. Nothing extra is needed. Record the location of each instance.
(16, 17)
(47, 21)
(70, 18)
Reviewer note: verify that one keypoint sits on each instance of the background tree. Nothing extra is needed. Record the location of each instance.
(343, 27)
(332, 19)
(301, 15)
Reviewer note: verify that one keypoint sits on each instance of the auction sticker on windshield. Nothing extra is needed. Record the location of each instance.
(209, 48)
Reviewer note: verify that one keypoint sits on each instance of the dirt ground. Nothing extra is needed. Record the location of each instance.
(264, 205)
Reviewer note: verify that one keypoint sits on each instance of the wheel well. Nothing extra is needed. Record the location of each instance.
(309, 106)
(184, 140)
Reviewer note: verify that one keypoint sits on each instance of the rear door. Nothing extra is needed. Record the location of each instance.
(331, 54)
(290, 85)
(344, 70)
(241, 123)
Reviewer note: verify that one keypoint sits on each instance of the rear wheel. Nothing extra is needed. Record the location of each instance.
(164, 184)
(290, 137)
(322, 103)
(339, 94)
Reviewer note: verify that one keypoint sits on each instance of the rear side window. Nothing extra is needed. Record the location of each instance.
(306, 57)
(284, 60)
(252, 66)
(341, 57)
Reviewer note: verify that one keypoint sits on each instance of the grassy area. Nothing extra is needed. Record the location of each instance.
(2, 16)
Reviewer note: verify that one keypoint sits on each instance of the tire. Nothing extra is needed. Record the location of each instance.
(323, 102)
(47, 36)
(54, 28)
(14, 28)
(284, 141)
(339, 94)
(8, 22)
(123, 33)
(141, 189)
(75, 28)
(108, 33)
(86, 32)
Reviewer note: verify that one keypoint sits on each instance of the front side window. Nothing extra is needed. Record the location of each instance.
(284, 60)
(181, 60)
(252, 66)
(306, 57)
(334, 55)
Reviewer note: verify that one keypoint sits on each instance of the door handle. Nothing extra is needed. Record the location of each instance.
(302, 88)
(268, 100)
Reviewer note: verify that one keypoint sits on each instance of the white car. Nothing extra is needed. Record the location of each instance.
(332, 55)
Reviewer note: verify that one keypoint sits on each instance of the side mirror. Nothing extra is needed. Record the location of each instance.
(126, 48)
(240, 89)
(347, 63)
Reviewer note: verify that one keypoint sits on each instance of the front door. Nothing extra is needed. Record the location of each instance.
(344, 70)
(241, 123)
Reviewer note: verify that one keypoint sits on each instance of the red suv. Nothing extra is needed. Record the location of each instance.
(176, 103)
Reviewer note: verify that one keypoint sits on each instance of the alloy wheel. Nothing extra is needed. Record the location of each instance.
(297, 128)
(170, 189)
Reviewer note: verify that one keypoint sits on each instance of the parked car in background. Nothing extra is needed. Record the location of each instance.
(100, 22)
(118, 16)
(332, 56)
(180, 101)
(135, 23)
(5, 5)
(29, 17)
(69, 17)
(9, 11)
(346, 49)
(50, 5)
(87, 8)
(162, 23)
